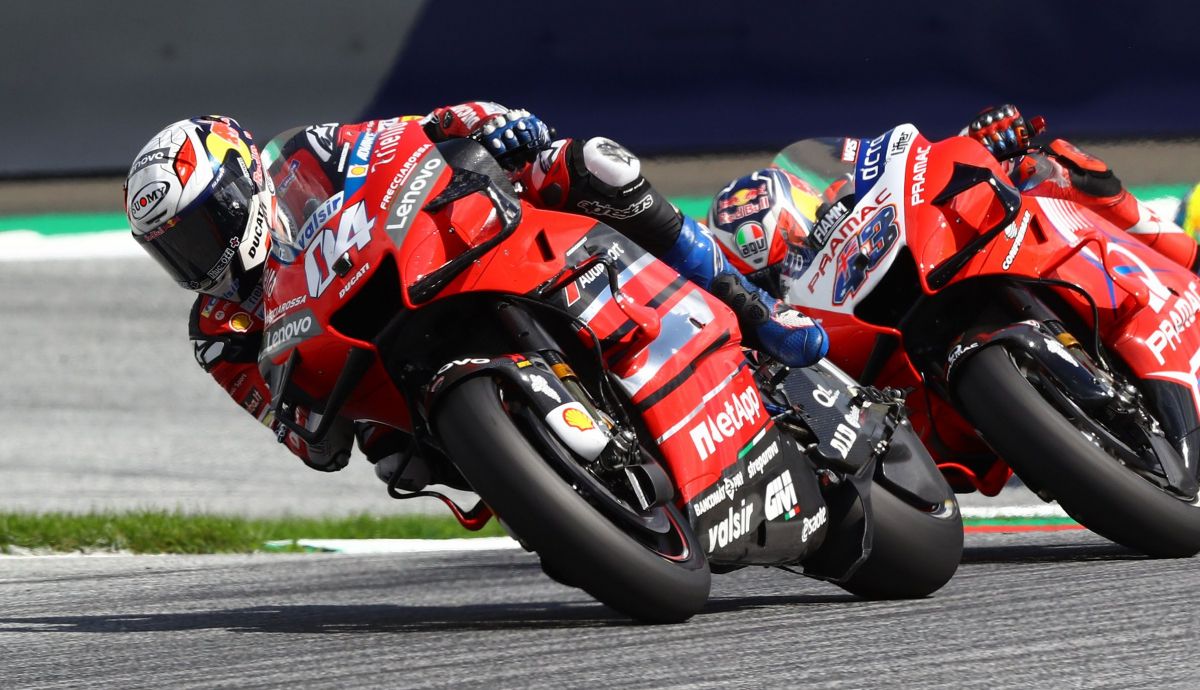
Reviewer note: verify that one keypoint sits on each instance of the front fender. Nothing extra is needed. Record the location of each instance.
(1051, 356)
(566, 416)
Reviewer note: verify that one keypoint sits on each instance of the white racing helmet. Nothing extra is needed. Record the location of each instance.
(199, 203)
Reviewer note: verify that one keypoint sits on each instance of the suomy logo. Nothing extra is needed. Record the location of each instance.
(148, 198)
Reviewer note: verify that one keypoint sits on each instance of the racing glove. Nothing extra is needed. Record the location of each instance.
(1003, 130)
(514, 138)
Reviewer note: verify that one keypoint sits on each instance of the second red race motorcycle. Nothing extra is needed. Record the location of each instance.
(1071, 348)
(600, 404)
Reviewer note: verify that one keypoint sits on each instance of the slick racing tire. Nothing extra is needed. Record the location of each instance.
(914, 551)
(1043, 446)
(575, 541)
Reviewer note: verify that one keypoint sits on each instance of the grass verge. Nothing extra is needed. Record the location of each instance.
(171, 532)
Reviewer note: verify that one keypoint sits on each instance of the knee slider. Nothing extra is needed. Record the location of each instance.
(611, 165)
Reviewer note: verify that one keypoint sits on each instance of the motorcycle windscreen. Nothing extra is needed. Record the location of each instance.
(307, 197)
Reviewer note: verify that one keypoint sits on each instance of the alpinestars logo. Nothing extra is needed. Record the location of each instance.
(740, 409)
(781, 498)
(597, 208)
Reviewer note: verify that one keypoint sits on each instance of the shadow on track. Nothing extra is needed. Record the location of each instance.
(1050, 553)
(365, 618)
(383, 618)
(369, 618)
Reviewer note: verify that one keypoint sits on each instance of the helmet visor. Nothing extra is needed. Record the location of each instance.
(197, 246)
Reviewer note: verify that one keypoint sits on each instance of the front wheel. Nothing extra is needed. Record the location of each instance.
(653, 578)
(1042, 445)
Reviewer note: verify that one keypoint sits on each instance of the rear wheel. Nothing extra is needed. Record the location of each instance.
(651, 568)
(914, 551)
(1064, 456)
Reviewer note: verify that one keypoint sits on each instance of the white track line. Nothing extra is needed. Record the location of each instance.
(363, 546)
(26, 245)
(1046, 510)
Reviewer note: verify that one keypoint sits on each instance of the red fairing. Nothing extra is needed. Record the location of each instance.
(674, 347)
(1148, 305)
(700, 421)
(1052, 180)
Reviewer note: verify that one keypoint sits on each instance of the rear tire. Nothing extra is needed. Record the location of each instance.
(913, 553)
(1039, 443)
(573, 539)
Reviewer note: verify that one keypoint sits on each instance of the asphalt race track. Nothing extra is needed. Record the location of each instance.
(103, 406)
(1045, 610)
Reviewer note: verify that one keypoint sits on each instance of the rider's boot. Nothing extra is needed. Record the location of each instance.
(767, 324)
(391, 451)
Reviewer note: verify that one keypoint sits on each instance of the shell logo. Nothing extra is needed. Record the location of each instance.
(578, 419)
(240, 322)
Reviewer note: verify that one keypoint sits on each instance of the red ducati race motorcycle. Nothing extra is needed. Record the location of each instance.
(1067, 345)
(597, 402)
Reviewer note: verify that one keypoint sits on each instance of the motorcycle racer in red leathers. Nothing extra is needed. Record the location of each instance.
(200, 202)
(783, 208)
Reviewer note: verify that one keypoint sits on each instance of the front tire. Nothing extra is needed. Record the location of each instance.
(572, 538)
(1040, 444)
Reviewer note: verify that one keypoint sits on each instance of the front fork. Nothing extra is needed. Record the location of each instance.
(649, 482)
(1083, 379)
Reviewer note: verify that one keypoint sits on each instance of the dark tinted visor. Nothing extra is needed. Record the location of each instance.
(197, 246)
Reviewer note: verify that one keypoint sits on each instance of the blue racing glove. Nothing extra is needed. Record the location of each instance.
(514, 138)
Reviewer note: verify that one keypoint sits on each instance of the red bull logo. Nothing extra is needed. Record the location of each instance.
(741, 197)
(742, 203)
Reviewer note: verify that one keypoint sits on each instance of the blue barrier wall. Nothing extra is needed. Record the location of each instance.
(705, 75)
(84, 84)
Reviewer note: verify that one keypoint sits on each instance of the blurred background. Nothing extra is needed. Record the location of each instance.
(101, 404)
